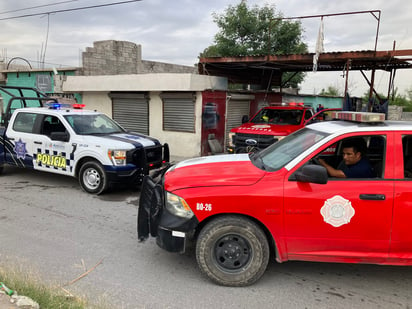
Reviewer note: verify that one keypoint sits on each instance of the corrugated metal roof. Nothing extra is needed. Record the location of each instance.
(264, 68)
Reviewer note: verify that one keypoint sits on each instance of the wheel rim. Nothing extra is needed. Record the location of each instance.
(91, 178)
(232, 252)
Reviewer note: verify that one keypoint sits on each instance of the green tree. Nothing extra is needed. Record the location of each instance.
(331, 90)
(402, 100)
(396, 99)
(255, 31)
(409, 93)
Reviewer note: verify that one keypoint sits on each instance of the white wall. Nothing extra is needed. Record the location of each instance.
(99, 101)
(181, 144)
(144, 82)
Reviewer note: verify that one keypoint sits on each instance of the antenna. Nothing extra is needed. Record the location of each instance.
(3, 55)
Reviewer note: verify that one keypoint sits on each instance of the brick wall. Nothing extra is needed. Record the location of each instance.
(122, 57)
(407, 116)
(111, 58)
(395, 112)
(161, 67)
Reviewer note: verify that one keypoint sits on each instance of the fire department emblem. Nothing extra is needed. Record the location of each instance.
(337, 211)
(20, 149)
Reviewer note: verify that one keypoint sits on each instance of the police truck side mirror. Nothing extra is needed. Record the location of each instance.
(245, 118)
(60, 136)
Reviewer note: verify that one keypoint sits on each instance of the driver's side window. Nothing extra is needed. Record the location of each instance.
(52, 124)
(356, 157)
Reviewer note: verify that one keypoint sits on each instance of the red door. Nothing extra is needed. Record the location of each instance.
(345, 220)
(401, 239)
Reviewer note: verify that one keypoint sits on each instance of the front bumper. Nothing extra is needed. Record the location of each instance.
(173, 241)
(172, 233)
(140, 162)
(126, 174)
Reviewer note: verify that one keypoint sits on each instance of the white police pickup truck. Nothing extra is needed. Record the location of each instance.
(66, 139)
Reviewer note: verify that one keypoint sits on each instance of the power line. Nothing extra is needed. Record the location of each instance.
(69, 10)
(38, 6)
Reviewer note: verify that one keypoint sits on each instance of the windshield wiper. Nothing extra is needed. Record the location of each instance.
(97, 133)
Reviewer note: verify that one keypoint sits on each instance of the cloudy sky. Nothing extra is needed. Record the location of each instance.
(177, 31)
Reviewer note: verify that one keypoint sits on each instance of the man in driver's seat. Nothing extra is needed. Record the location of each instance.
(354, 165)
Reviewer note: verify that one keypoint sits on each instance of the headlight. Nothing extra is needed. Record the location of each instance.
(178, 206)
(118, 157)
(231, 138)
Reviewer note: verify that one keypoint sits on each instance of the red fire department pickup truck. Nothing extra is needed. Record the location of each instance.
(270, 124)
(241, 210)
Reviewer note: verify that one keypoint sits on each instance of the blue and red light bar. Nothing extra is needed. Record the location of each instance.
(57, 105)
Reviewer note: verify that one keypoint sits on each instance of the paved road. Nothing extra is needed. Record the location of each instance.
(48, 225)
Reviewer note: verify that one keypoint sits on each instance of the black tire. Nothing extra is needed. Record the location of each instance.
(232, 251)
(92, 178)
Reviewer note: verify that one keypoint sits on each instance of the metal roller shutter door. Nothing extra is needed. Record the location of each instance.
(236, 109)
(178, 115)
(131, 112)
(178, 112)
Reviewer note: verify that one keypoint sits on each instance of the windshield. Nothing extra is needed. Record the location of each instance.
(93, 124)
(280, 153)
(279, 116)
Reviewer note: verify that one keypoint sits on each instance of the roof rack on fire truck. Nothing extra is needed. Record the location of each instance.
(21, 97)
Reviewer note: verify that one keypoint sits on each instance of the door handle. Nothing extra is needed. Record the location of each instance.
(372, 197)
(38, 143)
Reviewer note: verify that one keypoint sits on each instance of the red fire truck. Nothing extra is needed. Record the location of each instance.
(270, 124)
(242, 210)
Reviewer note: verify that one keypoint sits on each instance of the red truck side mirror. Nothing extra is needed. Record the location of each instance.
(312, 173)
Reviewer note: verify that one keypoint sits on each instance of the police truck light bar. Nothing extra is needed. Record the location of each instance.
(56, 105)
(359, 116)
(78, 106)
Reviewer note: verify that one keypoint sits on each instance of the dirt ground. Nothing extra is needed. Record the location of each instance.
(5, 302)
